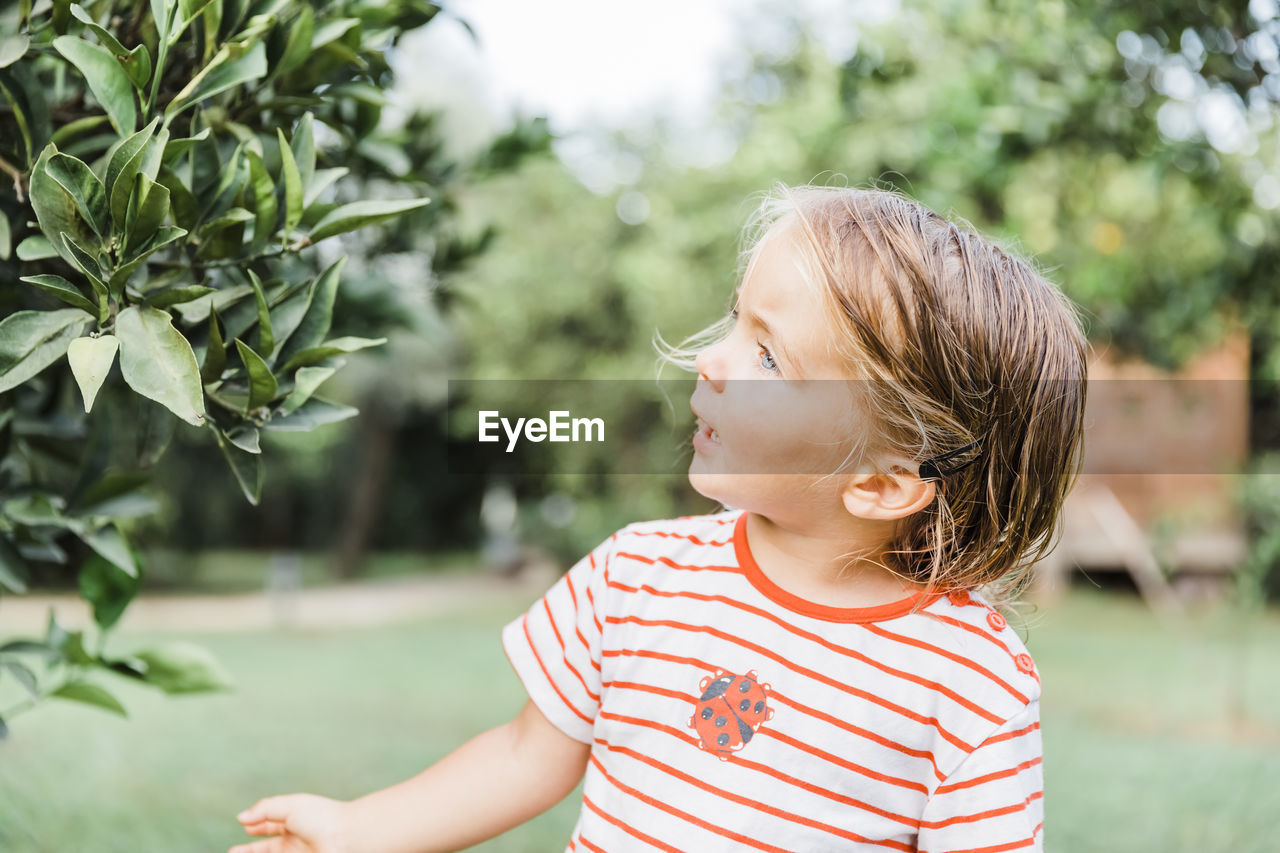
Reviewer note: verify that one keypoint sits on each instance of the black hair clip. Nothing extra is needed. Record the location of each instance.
(933, 469)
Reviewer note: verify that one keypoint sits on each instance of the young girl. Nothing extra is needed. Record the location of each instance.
(894, 408)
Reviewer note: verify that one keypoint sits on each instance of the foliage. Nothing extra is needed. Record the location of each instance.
(173, 165)
(1023, 118)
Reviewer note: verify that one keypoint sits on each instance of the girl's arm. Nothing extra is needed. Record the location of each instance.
(491, 783)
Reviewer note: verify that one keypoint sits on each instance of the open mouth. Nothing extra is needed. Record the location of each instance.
(706, 431)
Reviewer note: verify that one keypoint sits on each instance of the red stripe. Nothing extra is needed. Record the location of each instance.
(1001, 848)
(990, 777)
(861, 732)
(569, 583)
(845, 651)
(817, 676)
(587, 844)
(750, 803)
(779, 736)
(675, 812)
(1011, 735)
(952, 656)
(753, 765)
(667, 561)
(689, 536)
(704, 667)
(648, 839)
(970, 818)
(564, 653)
(524, 623)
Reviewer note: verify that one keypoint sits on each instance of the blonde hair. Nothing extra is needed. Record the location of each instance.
(962, 341)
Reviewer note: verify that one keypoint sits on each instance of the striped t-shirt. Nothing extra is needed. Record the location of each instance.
(725, 713)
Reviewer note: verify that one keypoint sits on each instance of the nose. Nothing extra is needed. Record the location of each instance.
(710, 365)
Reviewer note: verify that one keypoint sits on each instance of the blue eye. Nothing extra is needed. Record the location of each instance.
(766, 358)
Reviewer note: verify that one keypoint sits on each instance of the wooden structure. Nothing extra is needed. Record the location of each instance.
(1157, 498)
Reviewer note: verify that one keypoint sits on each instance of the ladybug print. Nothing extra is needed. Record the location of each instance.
(730, 712)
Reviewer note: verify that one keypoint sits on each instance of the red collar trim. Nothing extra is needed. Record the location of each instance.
(772, 591)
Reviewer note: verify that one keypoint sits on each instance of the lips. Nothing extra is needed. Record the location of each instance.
(706, 432)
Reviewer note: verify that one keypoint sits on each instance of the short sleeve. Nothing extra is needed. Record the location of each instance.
(555, 646)
(995, 799)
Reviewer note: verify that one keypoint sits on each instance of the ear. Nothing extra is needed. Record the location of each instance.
(897, 493)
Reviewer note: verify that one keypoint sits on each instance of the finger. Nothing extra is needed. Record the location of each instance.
(265, 827)
(270, 808)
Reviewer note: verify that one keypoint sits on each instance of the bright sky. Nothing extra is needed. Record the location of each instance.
(590, 64)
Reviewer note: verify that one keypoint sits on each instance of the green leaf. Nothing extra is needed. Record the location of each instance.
(177, 147)
(303, 146)
(13, 48)
(177, 295)
(337, 346)
(87, 262)
(154, 431)
(75, 129)
(313, 413)
(264, 196)
(321, 181)
(180, 667)
(85, 189)
(91, 360)
(105, 78)
(245, 437)
(316, 320)
(137, 66)
(13, 569)
(55, 209)
(24, 676)
(233, 65)
(292, 188)
(119, 494)
(110, 543)
(107, 589)
(266, 341)
(35, 248)
(215, 356)
(163, 237)
(301, 30)
(6, 239)
(90, 694)
(123, 167)
(195, 312)
(247, 468)
(62, 289)
(358, 214)
(305, 383)
(30, 341)
(262, 384)
(158, 363)
(147, 211)
(26, 647)
(108, 40)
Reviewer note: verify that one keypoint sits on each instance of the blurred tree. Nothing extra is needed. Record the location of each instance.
(1037, 122)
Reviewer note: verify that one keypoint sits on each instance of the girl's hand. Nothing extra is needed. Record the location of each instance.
(302, 823)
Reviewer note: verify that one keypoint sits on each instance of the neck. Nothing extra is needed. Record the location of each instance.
(812, 559)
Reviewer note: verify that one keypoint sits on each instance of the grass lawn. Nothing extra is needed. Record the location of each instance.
(1141, 751)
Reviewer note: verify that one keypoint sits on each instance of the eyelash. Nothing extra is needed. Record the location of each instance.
(764, 350)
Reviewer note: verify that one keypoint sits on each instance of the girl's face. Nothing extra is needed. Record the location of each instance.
(775, 409)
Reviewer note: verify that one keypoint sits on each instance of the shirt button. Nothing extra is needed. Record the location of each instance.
(996, 621)
(1025, 663)
(958, 597)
